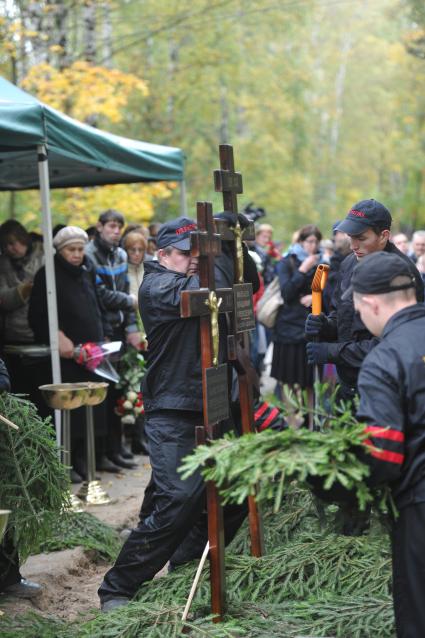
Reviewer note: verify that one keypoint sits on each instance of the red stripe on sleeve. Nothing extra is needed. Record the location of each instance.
(384, 432)
(273, 414)
(263, 407)
(384, 455)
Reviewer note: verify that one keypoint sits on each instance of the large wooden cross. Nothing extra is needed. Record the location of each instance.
(228, 182)
(206, 303)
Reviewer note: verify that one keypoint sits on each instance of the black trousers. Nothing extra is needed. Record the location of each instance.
(172, 512)
(408, 551)
(9, 563)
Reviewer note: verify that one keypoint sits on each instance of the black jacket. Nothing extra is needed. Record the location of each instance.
(80, 314)
(290, 321)
(354, 341)
(112, 279)
(173, 379)
(392, 404)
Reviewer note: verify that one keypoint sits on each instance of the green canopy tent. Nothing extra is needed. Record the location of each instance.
(43, 148)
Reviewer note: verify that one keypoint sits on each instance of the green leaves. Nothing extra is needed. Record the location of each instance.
(33, 482)
(268, 462)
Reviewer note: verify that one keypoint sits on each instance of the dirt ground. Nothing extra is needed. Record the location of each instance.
(71, 577)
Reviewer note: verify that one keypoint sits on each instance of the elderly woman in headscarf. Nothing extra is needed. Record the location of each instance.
(80, 320)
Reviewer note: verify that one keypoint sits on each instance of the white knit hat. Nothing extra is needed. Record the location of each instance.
(69, 235)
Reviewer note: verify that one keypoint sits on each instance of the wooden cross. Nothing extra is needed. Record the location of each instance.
(228, 182)
(206, 303)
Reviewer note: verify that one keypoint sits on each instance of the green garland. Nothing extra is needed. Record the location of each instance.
(33, 482)
(265, 464)
(310, 582)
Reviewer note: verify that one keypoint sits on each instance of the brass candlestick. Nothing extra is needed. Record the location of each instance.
(65, 397)
(91, 491)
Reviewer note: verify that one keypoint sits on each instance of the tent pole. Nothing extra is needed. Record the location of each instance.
(183, 202)
(52, 310)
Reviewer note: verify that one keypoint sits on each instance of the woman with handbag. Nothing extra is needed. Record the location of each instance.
(295, 273)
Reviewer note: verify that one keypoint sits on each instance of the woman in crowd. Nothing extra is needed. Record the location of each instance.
(81, 319)
(295, 272)
(20, 260)
(135, 243)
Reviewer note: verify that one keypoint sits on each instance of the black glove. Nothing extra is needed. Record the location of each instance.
(315, 325)
(317, 352)
(230, 218)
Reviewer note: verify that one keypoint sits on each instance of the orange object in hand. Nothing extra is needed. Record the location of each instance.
(317, 286)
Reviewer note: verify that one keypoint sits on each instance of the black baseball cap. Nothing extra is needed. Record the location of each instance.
(176, 233)
(363, 215)
(375, 273)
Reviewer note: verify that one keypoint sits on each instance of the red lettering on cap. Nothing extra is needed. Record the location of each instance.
(185, 229)
(357, 213)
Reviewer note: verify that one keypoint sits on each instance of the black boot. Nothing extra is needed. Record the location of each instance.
(103, 464)
(121, 462)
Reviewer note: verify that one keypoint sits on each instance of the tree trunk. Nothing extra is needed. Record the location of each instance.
(89, 27)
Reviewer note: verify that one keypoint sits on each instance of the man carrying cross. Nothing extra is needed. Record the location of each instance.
(173, 406)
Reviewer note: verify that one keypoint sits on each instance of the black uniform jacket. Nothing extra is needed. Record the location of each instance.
(392, 405)
(354, 341)
(80, 313)
(173, 379)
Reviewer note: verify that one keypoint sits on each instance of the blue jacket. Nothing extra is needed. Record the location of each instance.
(113, 283)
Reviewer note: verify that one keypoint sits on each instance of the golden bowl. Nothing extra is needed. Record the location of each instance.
(64, 396)
(96, 392)
(4, 515)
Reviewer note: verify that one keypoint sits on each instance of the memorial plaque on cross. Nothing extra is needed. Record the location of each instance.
(228, 182)
(206, 303)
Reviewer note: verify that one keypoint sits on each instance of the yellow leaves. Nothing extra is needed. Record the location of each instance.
(84, 91)
(56, 48)
(82, 206)
(397, 53)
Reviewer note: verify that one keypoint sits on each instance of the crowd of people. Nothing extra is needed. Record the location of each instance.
(123, 283)
(97, 284)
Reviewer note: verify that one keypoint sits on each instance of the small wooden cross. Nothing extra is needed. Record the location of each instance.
(228, 182)
(206, 303)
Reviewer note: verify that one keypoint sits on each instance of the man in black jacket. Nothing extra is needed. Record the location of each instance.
(392, 405)
(172, 393)
(344, 339)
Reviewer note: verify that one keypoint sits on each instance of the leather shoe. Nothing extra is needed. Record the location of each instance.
(24, 589)
(121, 462)
(114, 603)
(105, 465)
